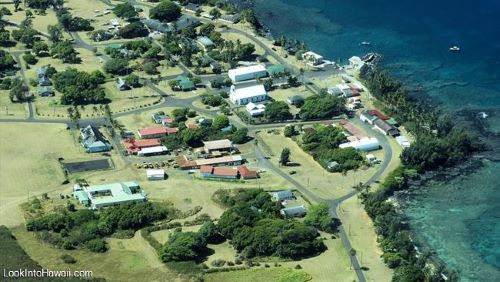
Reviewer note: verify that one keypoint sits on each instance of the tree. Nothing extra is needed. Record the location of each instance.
(209, 233)
(220, 122)
(125, 10)
(78, 88)
(165, 11)
(239, 136)
(6, 60)
(64, 50)
(277, 111)
(116, 66)
(284, 156)
(215, 13)
(17, 90)
(207, 28)
(133, 80)
(132, 30)
(289, 131)
(29, 58)
(319, 217)
(40, 47)
(55, 33)
(182, 246)
(319, 107)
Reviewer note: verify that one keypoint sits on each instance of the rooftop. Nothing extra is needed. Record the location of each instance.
(244, 70)
(152, 131)
(249, 91)
(218, 144)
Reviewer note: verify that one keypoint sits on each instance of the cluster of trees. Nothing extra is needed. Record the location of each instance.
(17, 90)
(80, 88)
(213, 100)
(70, 23)
(194, 137)
(64, 51)
(116, 66)
(165, 11)
(125, 10)
(70, 229)
(399, 253)
(25, 34)
(133, 30)
(42, 4)
(277, 111)
(322, 142)
(438, 142)
(6, 60)
(322, 106)
(253, 224)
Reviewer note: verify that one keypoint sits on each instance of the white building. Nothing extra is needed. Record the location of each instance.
(312, 58)
(245, 95)
(365, 144)
(155, 174)
(255, 109)
(247, 73)
(355, 62)
(403, 141)
(149, 151)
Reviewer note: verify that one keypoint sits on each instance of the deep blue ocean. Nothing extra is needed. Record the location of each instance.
(458, 218)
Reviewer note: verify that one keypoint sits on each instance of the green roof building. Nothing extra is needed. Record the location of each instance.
(185, 84)
(275, 70)
(392, 122)
(82, 197)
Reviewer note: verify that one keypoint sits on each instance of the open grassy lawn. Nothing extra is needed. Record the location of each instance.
(232, 36)
(29, 166)
(88, 10)
(126, 260)
(283, 94)
(310, 173)
(362, 235)
(9, 109)
(279, 274)
(40, 22)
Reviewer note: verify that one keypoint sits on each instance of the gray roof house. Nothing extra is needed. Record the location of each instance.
(293, 211)
(156, 25)
(43, 81)
(193, 8)
(93, 140)
(42, 72)
(186, 21)
(122, 85)
(205, 43)
(282, 195)
(45, 91)
(234, 18)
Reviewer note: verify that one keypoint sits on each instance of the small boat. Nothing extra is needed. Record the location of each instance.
(365, 43)
(482, 115)
(454, 48)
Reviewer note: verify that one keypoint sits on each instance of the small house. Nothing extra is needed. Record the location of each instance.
(246, 173)
(185, 83)
(45, 91)
(192, 8)
(403, 141)
(255, 109)
(295, 100)
(152, 132)
(281, 196)
(158, 118)
(155, 174)
(122, 85)
(156, 25)
(44, 81)
(186, 21)
(368, 117)
(93, 140)
(385, 128)
(205, 43)
(332, 165)
(232, 18)
(335, 91)
(42, 72)
(312, 58)
(167, 121)
(296, 211)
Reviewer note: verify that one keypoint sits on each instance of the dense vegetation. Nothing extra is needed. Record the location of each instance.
(133, 30)
(79, 88)
(69, 228)
(322, 142)
(165, 11)
(125, 10)
(277, 111)
(64, 50)
(70, 23)
(438, 141)
(321, 107)
(6, 60)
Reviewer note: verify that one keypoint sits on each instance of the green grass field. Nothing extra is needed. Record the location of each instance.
(281, 274)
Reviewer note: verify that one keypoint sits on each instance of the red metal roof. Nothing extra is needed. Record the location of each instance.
(152, 131)
(172, 130)
(168, 120)
(192, 126)
(225, 171)
(206, 169)
(133, 145)
(379, 114)
(246, 173)
(353, 130)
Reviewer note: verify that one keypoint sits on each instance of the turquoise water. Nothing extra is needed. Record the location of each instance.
(460, 219)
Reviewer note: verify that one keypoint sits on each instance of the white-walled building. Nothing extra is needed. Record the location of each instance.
(245, 95)
(355, 62)
(312, 58)
(365, 144)
(255, 109)
(247, 73)
(155, 174)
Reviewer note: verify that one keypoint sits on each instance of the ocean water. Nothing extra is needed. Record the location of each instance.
(460, 218)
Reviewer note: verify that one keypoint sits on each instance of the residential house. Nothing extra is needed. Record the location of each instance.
(113, 194)
(295, 100)
(137, 8)
(156, 25)
(42, 72)
(122, 85)
(247, 73)
(192, 8)
(312, 58)
(224, 145)
(155, 174)
(245, 95)
(158, 118)
(296, 211)
(45, 91)
(281, 196)
(335, 91)
(128, 54)
(185, 163)
(255, 109)
(233, 18)
(44, 81)
(205, 43)
(205, 121)
(93, 140)
(185, 83)
(186, 21)
(332, 165)
(167, 121)
(385, 128)
(368, 117)
(380, 115)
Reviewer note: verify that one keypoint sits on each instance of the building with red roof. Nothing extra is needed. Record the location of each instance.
(380, 115)
(133, 146)
(167, 121)
(208, 171)
(156, 132)
(246, 173)
(351, 129)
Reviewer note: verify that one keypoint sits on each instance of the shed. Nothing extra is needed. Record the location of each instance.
(155, 174)
(45, 91)
(293, 211)
(365, 144)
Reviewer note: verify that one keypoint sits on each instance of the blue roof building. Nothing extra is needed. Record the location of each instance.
(93, 140)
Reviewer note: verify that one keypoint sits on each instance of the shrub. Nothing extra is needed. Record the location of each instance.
(218, 262)
(68, 259)
(97, 245)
